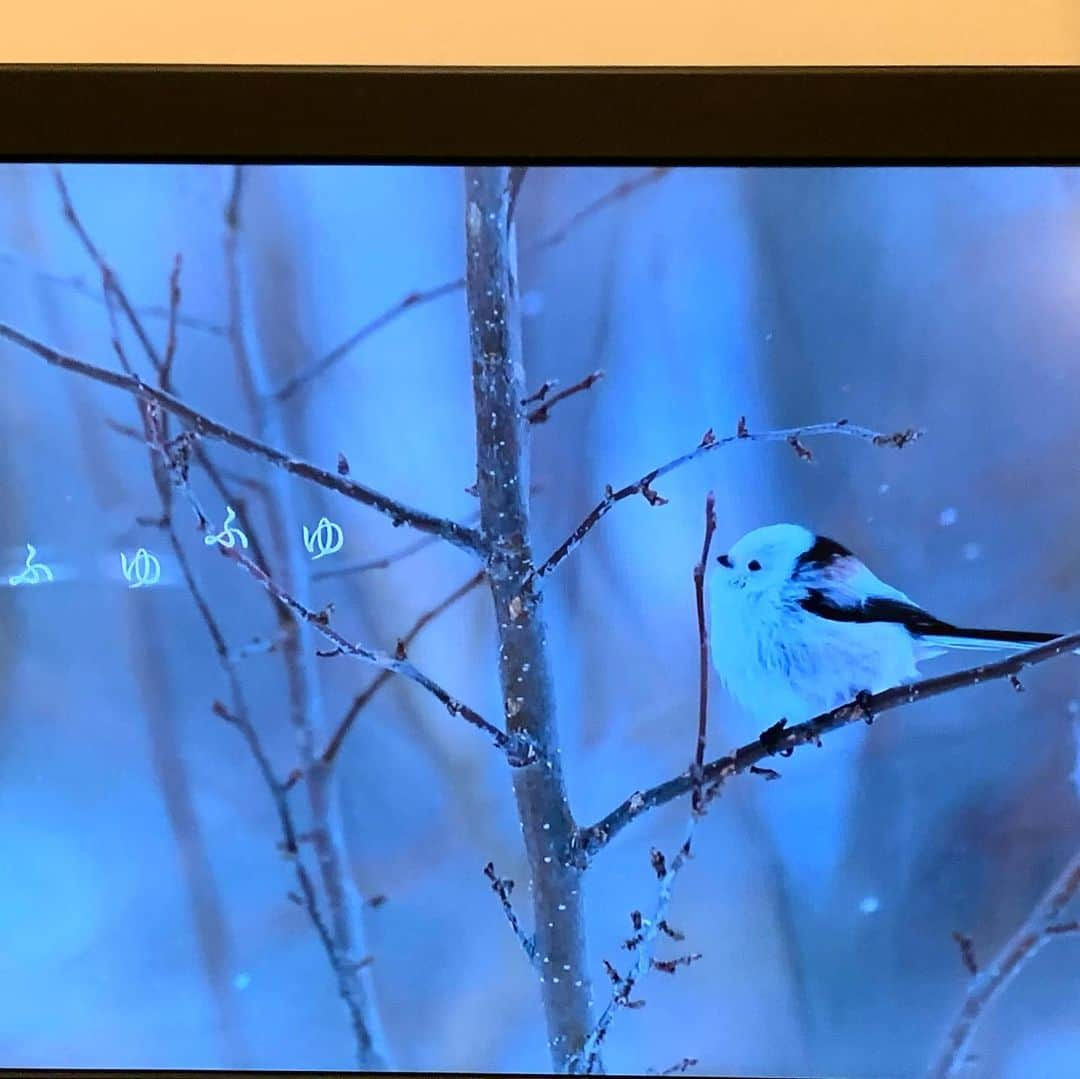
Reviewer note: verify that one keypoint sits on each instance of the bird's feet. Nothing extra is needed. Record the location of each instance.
(772, 738)
(863, 699)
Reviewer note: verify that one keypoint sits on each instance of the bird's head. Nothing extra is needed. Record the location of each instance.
(770, 558)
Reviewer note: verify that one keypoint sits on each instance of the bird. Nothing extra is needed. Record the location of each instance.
(799, 625)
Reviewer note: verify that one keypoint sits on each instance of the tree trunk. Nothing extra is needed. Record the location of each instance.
(502, 459)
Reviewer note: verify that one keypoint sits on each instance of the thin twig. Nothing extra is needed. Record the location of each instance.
(240, 718)
(1038, 928)
(647, 931)
(344, 968)
(645, 939)
(698, 767)
(386, 561)
(784, 740)
(677, 1069)
(619, 192)
(79, 286)
(110, 282)
(212, 929)
(205, 427)
(313, 370)
(362, 699)
(518, 749)
(170, 340)
(502, 888)
(967, 951)
(542, 411)
(709, 444)
(164, 474)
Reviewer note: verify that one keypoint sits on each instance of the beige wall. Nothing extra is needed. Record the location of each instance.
(546, 32)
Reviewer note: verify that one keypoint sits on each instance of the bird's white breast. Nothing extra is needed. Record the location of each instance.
(779, 661)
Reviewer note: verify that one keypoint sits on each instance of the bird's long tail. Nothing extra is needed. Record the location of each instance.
(997, 640)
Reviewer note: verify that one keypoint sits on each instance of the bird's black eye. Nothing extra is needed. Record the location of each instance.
(753, 565)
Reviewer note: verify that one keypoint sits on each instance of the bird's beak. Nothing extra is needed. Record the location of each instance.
(725, 561)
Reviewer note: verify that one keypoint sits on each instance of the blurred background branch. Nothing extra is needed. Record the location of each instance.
(313, 370)
(1043, 925)
(297, 651)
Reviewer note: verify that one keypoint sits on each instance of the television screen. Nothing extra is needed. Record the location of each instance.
(505, 619)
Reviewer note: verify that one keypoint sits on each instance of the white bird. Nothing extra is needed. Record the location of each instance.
(800, 626)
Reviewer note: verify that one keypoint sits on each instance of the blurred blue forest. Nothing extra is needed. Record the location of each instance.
(145, 915)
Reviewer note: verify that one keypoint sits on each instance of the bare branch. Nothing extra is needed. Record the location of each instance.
(502, 888)
(163, 470)
(542, 411)
(344, 968)
(967, 951)
(588, 1061)
(333, 747)
(619, 192)
(304, 700)
(170, 460)
(318, 367)
(545, 388)
(386, 561)
(1063, 929)
(677, 1069)
(169, 464)
(1039, 928)
(784, 740)
(202, 425)
(517, 747)
(697, 769)
(110, 283)
(709, 444)
(313, 370)
(170, 340)
(647, 931)
(669, 966)
(80, 287)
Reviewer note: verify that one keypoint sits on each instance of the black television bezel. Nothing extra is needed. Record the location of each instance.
(663, 115)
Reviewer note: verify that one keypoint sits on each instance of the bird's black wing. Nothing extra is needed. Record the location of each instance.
(915, 620)
(874, 609)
